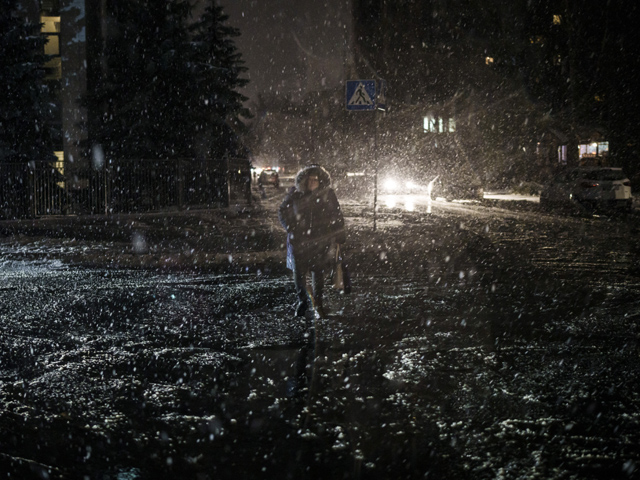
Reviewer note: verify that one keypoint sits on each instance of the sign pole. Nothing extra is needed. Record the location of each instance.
(368, 95)
(375, 171)
(381, 104)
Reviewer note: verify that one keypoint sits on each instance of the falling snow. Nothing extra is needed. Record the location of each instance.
(127, 331)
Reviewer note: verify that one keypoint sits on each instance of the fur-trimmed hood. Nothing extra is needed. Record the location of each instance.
(306, 172)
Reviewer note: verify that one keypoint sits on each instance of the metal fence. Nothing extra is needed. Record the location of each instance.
(15, 183)
(48, 188)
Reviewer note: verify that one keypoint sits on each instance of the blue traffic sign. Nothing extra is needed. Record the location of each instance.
(361, 95)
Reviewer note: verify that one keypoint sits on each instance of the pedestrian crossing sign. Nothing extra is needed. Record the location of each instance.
(361, 94)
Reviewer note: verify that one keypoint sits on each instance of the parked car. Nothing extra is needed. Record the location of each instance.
(592, 187)
(269, 176)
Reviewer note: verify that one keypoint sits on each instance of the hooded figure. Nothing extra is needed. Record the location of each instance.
(311, 215)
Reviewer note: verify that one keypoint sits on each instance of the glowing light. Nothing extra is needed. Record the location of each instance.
(391, 185)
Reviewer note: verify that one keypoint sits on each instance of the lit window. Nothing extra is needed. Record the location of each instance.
(433, 124)
(603, 148)
(557, 60)
(51, 29)
(562, 154)
(488, 60)
(430, 124)
(594, 149)
(557, 19)
(59, 166)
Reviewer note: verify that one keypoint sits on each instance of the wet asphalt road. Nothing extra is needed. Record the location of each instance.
(478, 342)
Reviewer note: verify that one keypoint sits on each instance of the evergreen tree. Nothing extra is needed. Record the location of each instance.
(167, 89)
(25, 103)
(139, 107)
(217, 67)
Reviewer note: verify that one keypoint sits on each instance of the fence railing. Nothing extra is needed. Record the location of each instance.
(49, 188)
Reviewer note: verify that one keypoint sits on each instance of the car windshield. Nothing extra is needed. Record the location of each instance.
(605, 174)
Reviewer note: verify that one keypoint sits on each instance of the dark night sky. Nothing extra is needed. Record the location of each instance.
(291, 47)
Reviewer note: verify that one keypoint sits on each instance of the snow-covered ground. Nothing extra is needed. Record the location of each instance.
(478, 342)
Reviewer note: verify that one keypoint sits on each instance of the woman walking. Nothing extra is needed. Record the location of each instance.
(311, 215)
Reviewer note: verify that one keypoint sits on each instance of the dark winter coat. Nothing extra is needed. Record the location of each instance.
(313, 220)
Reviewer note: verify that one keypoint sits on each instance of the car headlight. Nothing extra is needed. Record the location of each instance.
(391, 185)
